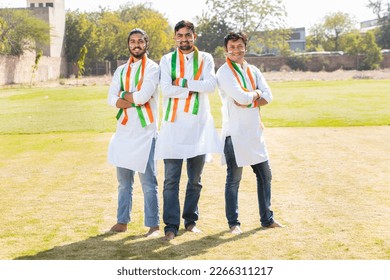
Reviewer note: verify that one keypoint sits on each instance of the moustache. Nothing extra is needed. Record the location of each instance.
(187, 41)
(236, 53)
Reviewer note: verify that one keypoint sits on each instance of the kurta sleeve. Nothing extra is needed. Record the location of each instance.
(167, 89)
(115, 87)
(262, 85)
(229, 84)
(208, 81)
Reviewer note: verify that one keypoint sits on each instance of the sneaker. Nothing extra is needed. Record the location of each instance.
(235, 230)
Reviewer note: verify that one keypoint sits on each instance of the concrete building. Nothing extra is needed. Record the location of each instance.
(297, 41)
(53, 64)
(53, 12)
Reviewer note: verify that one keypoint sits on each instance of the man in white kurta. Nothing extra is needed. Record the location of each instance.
(134, 92)
(187, 130)
(243, 89)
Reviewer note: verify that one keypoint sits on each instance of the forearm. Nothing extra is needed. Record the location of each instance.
(123, 103)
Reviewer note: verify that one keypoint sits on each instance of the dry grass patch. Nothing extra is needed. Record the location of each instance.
(331, 188)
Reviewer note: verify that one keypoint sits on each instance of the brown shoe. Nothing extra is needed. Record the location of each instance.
(169, 235)
(275, 224)
(119, 228)
(153, 231)
(193, 228)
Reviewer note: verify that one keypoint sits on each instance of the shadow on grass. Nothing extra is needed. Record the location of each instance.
(100, 247)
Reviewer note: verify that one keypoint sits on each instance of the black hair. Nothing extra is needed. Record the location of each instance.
(234, 37)
(139, 31)
(185, 23)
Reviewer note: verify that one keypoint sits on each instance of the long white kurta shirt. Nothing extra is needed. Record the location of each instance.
(243, 124)
(130, 145)
(189, 135)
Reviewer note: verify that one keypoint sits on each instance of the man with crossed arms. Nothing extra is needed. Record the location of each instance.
(134, 92)
(243, 89)
(187, 131)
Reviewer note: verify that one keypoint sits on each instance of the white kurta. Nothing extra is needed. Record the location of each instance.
(189, 135)
(130, 145)
(243, 124)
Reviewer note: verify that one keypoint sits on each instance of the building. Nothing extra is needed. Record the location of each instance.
(53, 12)
(52, 64)
(369, 25)
(297, 41)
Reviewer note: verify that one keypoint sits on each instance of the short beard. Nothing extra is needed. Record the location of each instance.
(138, 56)
(185, 48)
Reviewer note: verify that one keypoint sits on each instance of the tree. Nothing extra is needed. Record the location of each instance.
(335, 25)
(210, 32)
(250, 15)
(316, 39)
(255, 17)
(382, 10)
(104, 33)
(35, 66)
(15, 38)
(153, 22)
(357, 44)
(78, 33)
(81, 61)
(372, 52)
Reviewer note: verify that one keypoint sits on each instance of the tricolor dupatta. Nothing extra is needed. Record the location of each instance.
(144, 111)
(177, 73)
(235, 69)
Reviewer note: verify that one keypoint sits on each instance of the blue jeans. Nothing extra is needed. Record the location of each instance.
(149, 188)
(171, 215)
(233, 178)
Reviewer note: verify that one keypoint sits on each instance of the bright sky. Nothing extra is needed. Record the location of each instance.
(301, 13)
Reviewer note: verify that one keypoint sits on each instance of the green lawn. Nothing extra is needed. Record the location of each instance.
(330, 179)
(329, 103)
(296, 104)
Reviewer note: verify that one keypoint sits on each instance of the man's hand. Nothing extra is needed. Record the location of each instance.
(240, 105)
(177, 83)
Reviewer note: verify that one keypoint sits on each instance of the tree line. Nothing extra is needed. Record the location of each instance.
(99, 36)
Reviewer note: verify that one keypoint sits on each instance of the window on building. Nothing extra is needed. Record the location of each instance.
(49, 5)
(295, 36)
(40, 4)
(32, 5)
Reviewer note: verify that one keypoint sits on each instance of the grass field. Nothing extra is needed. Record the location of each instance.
(329, 155)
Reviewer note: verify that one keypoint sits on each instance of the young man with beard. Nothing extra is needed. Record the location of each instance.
(243, 89)
(133, 91)
(187, 131)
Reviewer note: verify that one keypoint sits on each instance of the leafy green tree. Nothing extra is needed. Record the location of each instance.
(316, 38)
(35, 66)
(260, 19)
(335, 25)
(250, 15)
(110, 42)
(104, 33)
(372, 51)
(381, 9)
(20, 31)
(357, 44)
(78, 33)
(153, 22)
(351, 43)
(219, 52)
(211, 33)
(81, 61)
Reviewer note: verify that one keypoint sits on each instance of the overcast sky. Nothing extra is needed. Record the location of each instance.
(301, 13)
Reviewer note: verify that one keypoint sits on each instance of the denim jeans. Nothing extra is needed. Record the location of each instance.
(171, 215)
(233, 178)
(149, 188)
